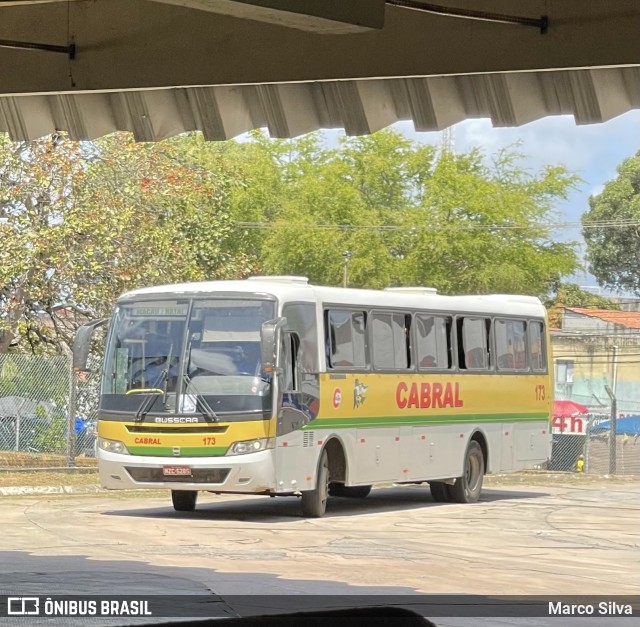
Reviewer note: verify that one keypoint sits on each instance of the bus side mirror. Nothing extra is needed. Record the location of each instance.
(270, 343)
(82, 343)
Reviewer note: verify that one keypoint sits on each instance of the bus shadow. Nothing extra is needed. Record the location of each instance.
(288, 509)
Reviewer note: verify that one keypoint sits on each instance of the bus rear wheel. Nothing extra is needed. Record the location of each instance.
(351, 492)
(184, 500)
(467, 488)
(314, 502)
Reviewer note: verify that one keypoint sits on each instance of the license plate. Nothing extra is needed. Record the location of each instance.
(176, 471)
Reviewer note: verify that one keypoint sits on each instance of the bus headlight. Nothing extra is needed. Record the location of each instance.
(251, 446)
(112, 446)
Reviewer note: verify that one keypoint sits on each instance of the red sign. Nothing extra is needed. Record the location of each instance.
(337, 398)
(571, 425)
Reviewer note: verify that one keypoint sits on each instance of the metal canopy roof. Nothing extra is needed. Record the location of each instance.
(163, 67)
(358, 106)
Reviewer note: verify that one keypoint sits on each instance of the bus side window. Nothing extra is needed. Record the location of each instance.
(391, 335)
(345, 335)
(290, 369)
(301, 320)
(511, 345)
(433, 342)
(473, 343)
(537, 347)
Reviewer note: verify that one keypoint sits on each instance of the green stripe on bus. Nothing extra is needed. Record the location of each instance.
(185, 451)
(437, 419)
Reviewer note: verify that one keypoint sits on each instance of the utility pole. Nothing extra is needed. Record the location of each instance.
(613, 432)
(614, 375)
(346, 255)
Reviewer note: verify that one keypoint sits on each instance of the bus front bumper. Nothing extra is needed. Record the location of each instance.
(251, 473)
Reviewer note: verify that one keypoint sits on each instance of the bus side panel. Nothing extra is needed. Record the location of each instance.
(506, 448)
(298, 455)
(432, 452)
(377, 454)
(531, 444)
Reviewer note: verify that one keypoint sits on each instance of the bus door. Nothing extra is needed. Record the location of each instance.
(296, 450)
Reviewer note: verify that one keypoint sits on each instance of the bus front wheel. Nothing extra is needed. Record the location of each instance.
(184, 500)
(314, 502)
(467, 488)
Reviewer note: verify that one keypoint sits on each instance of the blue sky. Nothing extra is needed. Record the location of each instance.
(591, 151)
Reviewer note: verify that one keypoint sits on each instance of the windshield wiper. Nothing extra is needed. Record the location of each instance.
(208, 412)
(146, 404)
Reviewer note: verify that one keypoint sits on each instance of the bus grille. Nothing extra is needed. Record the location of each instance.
(198, 475)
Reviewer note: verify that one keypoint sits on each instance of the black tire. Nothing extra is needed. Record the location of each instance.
(439, 492)
(351, 492)
(314, 502)
(184, 500)
(467, 488)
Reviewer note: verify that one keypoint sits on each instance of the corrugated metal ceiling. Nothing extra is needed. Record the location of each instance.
(358, 106)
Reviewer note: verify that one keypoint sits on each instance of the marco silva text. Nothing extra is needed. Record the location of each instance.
(604, 608)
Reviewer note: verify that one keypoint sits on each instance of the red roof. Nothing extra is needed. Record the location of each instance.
(629, 319)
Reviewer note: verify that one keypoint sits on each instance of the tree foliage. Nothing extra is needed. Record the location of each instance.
(408, 214)
(611, 229)
(81, 223)
(571, 295)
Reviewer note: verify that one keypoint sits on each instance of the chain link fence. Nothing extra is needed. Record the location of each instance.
(584, 444)
(47, 417)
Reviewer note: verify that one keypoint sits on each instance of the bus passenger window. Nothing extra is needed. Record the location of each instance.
(391, 341)
(538, 349)
(511, 345)
(473, 336)
(433, 342)
(345, 337)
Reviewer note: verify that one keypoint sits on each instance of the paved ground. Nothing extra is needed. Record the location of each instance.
(520, 539)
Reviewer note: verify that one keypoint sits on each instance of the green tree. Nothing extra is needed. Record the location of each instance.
(570, 295)
(409, 214)
(484, 228)
(36, 182)
(611, 229)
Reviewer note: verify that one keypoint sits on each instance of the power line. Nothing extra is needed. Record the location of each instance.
(553, 226)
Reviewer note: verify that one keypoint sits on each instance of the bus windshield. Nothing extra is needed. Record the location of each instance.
(192, 356)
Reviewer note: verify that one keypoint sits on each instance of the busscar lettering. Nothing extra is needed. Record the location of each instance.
(426, 395)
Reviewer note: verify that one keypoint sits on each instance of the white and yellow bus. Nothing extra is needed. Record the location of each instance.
(274, 386)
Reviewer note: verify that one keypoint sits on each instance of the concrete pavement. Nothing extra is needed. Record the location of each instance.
(520, 539)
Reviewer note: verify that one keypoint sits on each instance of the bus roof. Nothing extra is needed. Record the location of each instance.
(298, 289)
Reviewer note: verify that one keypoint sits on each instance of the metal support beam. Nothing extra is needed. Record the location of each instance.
(328, 16)
(69, 50)
(541, 23)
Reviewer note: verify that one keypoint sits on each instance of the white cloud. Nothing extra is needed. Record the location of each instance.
(553, 140)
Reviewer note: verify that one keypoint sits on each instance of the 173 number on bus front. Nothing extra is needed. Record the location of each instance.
(540, 393)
